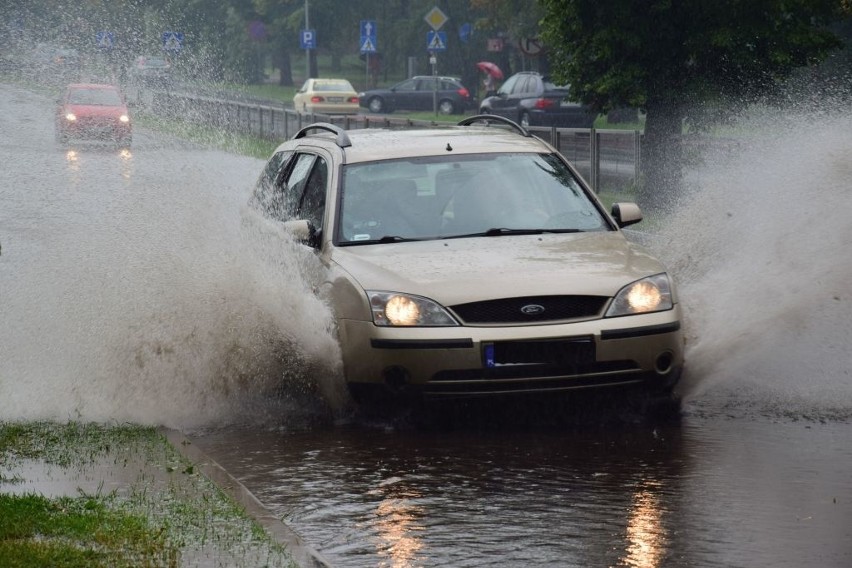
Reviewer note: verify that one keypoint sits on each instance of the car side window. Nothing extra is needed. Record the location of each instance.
(268, 195)
(296, 181)
(521, 86)
(312, 203)
(507, 87)
(410, 85)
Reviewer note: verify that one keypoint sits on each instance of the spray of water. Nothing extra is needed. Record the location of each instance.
(760, 245)
(158, 302)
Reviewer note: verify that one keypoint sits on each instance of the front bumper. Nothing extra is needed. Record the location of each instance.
(333, 108)
(483, 361)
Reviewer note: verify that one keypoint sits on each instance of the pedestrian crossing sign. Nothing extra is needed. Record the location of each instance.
(172, 41)
(436, 41)
(105, 40)
(368, 45)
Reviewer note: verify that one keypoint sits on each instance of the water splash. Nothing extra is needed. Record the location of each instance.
(136, 299)
(760, 246)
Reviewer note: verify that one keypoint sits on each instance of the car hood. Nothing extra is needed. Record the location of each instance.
(454, 271)
(96, 110)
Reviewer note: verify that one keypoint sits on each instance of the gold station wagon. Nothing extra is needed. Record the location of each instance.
(473, 260)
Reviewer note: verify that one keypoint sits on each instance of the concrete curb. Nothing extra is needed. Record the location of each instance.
(303, 554)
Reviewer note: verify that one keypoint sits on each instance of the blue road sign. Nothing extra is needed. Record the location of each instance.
(172, 41)
(308, 39)
(465, 31)
(436, 41)
(368, 28)
(369, 31)
(105, 40)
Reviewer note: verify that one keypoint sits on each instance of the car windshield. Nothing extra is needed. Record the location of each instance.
(484, 194)
(333, 86)
(104, 97)
(549, 86)
(153, 62)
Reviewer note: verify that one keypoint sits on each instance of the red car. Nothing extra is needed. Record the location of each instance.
(93, 111)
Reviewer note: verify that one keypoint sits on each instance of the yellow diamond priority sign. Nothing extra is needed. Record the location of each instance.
(436, 18)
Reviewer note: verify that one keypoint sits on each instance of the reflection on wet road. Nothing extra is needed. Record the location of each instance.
(705, 492)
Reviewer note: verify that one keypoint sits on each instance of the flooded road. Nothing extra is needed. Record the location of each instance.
(710, 491)
(133, 287)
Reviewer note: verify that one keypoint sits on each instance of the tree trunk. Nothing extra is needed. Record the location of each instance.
(662, 156)
(312, 62)
(282, 62)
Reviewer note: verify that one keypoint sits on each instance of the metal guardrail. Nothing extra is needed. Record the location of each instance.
(606, 158)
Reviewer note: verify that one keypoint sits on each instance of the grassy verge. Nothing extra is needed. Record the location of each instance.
(209, 136)
(169, 515)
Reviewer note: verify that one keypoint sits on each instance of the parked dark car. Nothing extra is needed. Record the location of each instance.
(531, 99)
(418, 93)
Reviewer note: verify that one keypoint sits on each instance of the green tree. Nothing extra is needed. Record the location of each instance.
(675, 58)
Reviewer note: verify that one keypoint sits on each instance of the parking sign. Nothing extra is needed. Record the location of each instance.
(309, 39)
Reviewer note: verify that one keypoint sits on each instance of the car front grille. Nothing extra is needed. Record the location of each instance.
(97, 122)
(534, 309)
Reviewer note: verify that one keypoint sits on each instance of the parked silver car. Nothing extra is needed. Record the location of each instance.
(473, 260)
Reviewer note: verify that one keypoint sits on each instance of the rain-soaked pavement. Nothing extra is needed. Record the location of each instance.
(708, 491)
(133, 287)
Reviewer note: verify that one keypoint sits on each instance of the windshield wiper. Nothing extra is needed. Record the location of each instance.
(384, 240)
(503, 231)
(394, 239)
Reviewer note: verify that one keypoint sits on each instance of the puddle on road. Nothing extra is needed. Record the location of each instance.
(706, 492)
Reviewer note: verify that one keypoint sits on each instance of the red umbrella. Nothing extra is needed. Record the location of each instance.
(490, 68)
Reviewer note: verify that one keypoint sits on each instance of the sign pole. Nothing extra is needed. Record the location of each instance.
(433, 59)
(307, 49)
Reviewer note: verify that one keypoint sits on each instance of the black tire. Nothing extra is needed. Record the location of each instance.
(446, 106)
(376, 104)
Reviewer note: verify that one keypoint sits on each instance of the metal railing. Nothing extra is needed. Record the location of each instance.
(607, 159)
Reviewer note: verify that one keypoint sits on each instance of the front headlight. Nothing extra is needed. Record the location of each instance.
(405, 310)
(124, 118)
(70, 117)
(651, 294)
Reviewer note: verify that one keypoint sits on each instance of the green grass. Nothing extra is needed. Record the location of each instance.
(153, 522)
(209, 136)
(83, 531)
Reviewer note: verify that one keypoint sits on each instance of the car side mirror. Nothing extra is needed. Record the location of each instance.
(626, 213)
(304, 232)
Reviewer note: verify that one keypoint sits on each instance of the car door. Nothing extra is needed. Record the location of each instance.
(426, 95)
(500, 103)
(523, 91)
(403, 95)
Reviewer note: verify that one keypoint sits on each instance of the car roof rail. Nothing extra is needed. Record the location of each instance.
(341, 139)
(489, 118)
